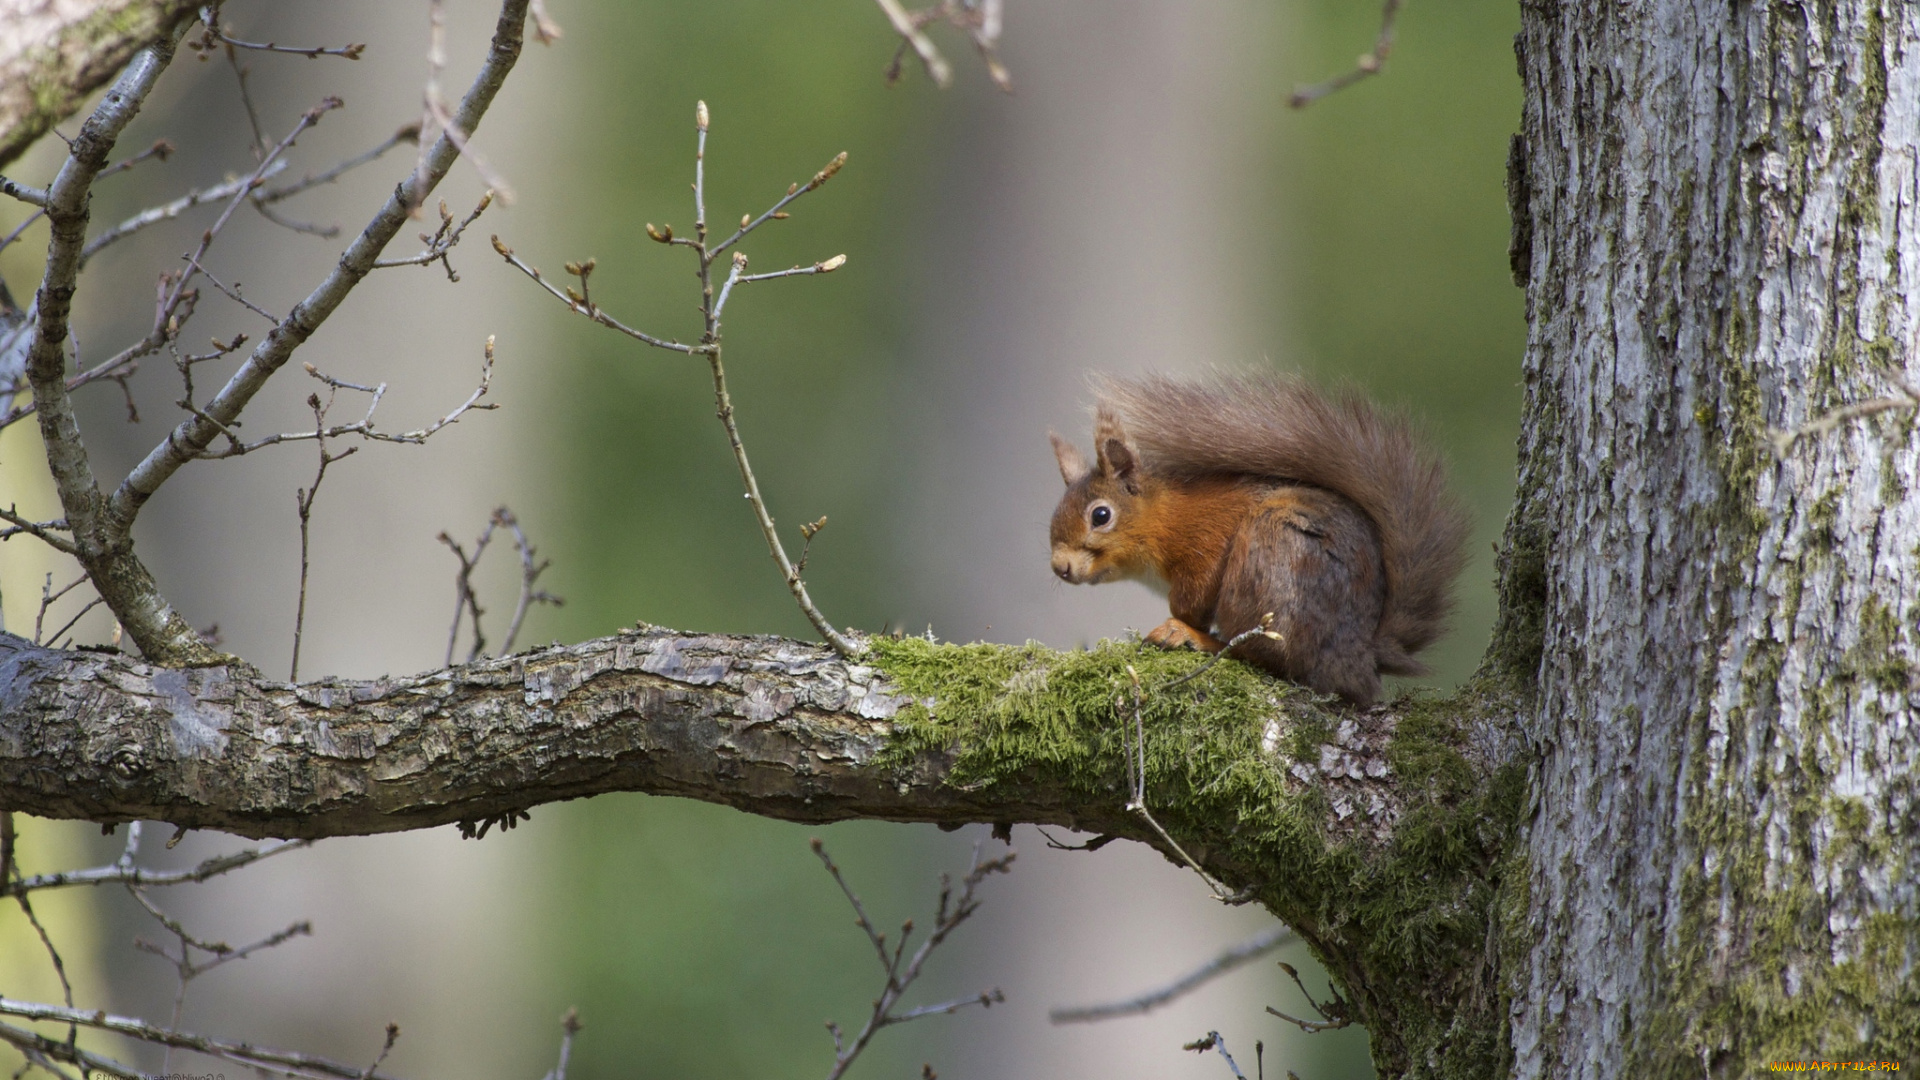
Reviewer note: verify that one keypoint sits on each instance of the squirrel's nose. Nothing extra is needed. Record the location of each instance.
(1063, 571)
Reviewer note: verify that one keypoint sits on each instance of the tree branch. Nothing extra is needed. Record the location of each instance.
(1325, 814)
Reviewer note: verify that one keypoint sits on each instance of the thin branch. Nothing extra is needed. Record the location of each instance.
(581, 307)
(303, 502)
(238, 1052)
(442, 241)
(161, 149)
(569, 1027)
(1238, 956)
(41, 1048)
(825, 266)
(153, 215)
(20, 228)
(410, 133)
(1370, 63)
(465, 600)
(393, 1036)
(233, 293)
(1214, 1042)
(210, 17)
(364, 426)
(900, 976)
(1335, 1013)
(1909, 398)
(90, 605)
(529, 573)
(911, 35)
(778, 212)
(39, 530)
(255, 179)
(124, 872)
(32, 196)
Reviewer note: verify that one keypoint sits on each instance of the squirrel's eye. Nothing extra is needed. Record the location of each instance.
(1100, 516)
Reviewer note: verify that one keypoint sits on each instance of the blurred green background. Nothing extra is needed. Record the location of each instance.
(1392, 273)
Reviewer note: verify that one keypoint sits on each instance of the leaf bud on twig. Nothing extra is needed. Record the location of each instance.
(663, 236)
(832, 264)
(700, 115)
(826, 174)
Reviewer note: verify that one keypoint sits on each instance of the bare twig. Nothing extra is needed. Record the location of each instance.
(307, 119)
(569, 1027)
(44, 531)
(529, 573)
(153, 215)
(1370, 63)
(210, 18)
(1213, 1041)
(232, 293)
(407, 134)
(161, 149)
(442, 241)
(47, 599)
(247, 1054)
(90, 605)
(393, 1036)
(20, 228)
(363, 427)
(303, 503)
(1239, 955)
(901, 970)
(466, 601)
(545, 30)
(32, 196)
(436, 117)
(1335, 1013)
(912, 35)
(580, 306)
(1908, 398)
(711, 310)
(43, 1050)
(1135, 757)
(124, 872)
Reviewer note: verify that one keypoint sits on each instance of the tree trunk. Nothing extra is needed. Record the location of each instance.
(1716, 214)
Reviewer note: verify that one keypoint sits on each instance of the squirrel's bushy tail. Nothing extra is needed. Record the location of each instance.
(1276, 426)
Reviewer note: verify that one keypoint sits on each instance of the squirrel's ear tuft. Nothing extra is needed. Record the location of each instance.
(1073, 467)
(1118, 459)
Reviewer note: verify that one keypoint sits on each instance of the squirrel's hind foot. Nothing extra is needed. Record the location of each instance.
(1174, 634)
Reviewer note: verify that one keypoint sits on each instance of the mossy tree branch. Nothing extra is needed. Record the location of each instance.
(1373, 833)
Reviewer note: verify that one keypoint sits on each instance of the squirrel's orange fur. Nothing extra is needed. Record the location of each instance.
(1256, 495)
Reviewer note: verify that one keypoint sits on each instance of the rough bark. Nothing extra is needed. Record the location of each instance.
(1720, 238)
(53, 55)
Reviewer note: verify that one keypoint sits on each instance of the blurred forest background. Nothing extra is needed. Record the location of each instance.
(1144, 200)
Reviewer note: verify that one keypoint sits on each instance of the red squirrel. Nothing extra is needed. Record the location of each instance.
(1255, 494)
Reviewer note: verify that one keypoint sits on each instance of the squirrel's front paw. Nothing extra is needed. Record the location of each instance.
(1174, 634)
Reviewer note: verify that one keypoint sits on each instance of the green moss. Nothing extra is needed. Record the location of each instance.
(1400, 922)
